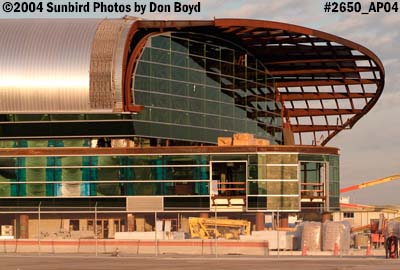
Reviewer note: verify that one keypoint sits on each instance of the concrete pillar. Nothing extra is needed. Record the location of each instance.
(283, 220)
(326, 216)
(23, 227)
(260, 221)
(203, 215)
(111, 228)
(130, 222)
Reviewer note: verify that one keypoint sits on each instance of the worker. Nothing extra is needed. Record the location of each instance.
(391, 247)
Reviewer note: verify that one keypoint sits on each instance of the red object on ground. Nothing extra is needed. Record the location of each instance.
(369, 252)
(304, 250)
(336, 250)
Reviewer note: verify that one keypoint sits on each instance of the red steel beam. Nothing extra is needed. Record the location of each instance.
(269, 51)
(318, 112)
(296, 96)
(293, 96)
(314, 128)
(321, 70)
(300, 82)
(304, 59)
(307, 112)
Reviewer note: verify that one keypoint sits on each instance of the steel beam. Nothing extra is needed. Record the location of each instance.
(295, 96)
(303, 112)
(314, 128)
(328, 82)
(301, 71)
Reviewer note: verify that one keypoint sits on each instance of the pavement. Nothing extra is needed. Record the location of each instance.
(230, 262)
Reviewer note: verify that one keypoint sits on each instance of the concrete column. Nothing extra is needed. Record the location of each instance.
(23, 227)
(111, 229)
(260, 221)
(326, 216)
(203, 215)
(283, 220)
(130, 222)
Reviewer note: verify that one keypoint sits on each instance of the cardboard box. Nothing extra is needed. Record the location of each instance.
(140, 224)
(243, 136)
(119, 143)
(7, 230)
(130, 144)
(251, 142)
(262, 142)
(224, 141)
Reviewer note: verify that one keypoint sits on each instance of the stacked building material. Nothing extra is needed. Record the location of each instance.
(361, 241)
(311, 236)
(224, 141)
(242, 139)
(262, 142)
(336, 233)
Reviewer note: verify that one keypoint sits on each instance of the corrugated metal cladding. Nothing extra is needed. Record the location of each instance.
(46, 66)
(106, 65)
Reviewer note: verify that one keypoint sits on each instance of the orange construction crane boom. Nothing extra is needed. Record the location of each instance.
(370, 183)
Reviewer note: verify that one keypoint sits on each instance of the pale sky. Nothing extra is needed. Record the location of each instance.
(371, 149)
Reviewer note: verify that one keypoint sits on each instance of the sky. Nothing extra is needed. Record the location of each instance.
(371, 149)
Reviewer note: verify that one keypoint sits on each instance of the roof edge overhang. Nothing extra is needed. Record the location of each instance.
(333, 70)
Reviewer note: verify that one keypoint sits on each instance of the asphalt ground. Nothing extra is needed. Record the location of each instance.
(90, 262)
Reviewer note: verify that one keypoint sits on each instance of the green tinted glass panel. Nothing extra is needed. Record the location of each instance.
(283, 203)
(259, 203)
(273, 188)
(277, 172)
(191, 67)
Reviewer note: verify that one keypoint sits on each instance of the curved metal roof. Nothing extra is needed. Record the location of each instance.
(44, 61)
(325, 83)
(62, 66)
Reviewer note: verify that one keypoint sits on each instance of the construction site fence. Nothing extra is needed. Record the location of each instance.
(81, 230)
(136, 247)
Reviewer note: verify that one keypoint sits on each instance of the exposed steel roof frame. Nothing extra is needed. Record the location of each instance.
(306, 58)
(320, 69)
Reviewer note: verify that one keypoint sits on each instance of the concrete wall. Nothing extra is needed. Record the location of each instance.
(193, 247)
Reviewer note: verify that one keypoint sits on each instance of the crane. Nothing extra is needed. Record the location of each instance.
(377, 237)
(370, 183)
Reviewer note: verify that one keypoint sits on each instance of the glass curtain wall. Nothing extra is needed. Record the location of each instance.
(273, 183)
(102, 176)
(320, 174)
(270, 181)
(196, 88)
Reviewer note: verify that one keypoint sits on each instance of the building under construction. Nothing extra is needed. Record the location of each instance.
(105, 122)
